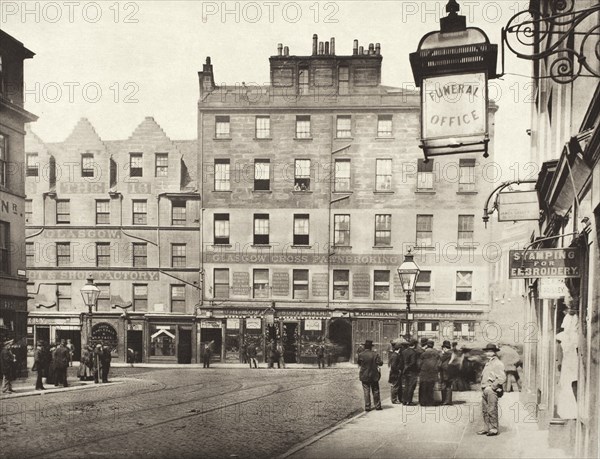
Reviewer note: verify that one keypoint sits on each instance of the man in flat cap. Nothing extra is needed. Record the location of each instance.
(369, 362)
(492, 378)
(7, 363)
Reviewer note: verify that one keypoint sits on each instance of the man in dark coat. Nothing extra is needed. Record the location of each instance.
(395, 378)
(208, 350)
(321, 356)
(61, 363)
(428, 374)
(97, 359)
(448, 371)
(369, 362)
(7, 363)
(251, 352)
(39, 365)
(410, 373)
(106, 359)
(420, 349)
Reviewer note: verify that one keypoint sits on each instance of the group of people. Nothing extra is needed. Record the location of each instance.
(95, 363)
(411, 364)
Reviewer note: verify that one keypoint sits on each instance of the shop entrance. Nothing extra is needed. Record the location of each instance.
(75, 337)
(340, 335)
(184, 346)
(134, 346)
(211, 334)
(43, 334)
(290, 342)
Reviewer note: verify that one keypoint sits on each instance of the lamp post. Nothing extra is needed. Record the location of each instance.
(408, 272)
(90, 294)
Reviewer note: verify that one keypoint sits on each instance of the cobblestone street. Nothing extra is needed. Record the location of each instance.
(181, 413)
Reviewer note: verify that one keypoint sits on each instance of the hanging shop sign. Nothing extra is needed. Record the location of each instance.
(545, 263)
(518, 206)
(552, 289)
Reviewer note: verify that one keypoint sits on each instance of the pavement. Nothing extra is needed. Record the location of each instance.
(432, 432)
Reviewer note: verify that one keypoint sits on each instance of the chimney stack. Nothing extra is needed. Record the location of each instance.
(355, 48)
(206, 76)
(315, 41)
(332, 47)
(279, 49)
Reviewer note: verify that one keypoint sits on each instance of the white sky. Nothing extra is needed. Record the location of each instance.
(154, 61)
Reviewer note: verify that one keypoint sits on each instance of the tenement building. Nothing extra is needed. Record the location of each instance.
(13, 116)
(126, 214)
(313, 189)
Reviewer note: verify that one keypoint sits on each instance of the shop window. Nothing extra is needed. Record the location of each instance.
(384, 126)
(5, 247)
(381, 285)
(466, 225)
(341, 175)
(221, 283)
(383, 175)
(103, 303)
(102, 254)
(261, 283)
(222, 127)
(464, 331)
(162, 340)
(262, 173)
(424, 175)
(301, 229)
(140, 212)
(102, 212)
(63, 296)
(222, 182)
(343, 127)
(32, 165)
(87, 165)
(63, 254)
(178, 255)
(302, 175)
(303, 127)
(466, 178)
(178, 298)
(136, 165)
(140, 297)
(341, 284)
(263, 127)
(300, 284)
(140, 255)
(261, 229)
(424, 231)
(383, 230)
(178, 213)
(464, 285)
(221, 229)
(429, 330)
(63, 211)
(341, 230)
(161, 164)
(28, 211)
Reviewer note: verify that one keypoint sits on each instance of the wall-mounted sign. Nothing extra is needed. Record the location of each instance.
(552, 289)
(210, 324)
(540, 263)
(518, 206)
(253, 324)
(312, 324)
(105, 334)
(233, 324)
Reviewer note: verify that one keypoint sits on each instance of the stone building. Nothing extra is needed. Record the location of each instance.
(13, 116)
(313, 190)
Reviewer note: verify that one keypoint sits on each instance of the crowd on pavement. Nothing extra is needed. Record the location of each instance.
(411, 364)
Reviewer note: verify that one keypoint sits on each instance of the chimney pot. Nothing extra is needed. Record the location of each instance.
(355, 48)
(286, 50)
(320, 47)
(332, 47)
(279, 49)
(378, 49)
(326, 47)
(314, 46)
(361, 50)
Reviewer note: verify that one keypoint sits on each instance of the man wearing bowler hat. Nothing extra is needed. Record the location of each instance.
(492, 378)
(369, 362)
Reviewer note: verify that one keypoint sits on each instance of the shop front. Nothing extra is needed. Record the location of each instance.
(169, 339)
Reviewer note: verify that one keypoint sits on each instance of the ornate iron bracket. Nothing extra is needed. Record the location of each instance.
(535, 35)
(486, 210)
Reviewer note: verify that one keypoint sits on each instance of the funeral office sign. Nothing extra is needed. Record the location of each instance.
(545, 263)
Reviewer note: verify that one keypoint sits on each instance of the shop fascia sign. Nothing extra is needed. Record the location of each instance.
(552, 289)
(545, 263)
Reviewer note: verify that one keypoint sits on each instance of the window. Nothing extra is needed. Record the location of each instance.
(465, 230)
(140, 212)
(261, 283)
(429, 330)
(466, 179)
(103, 303)
(263, 127)
(87, 165)
(301, 228)
(63, 254)
(178, 213)
(140, 255)
(342, 175)
(32, 165)
(424, 231)
(464, 285)
(102, 212)
(63, 296)
(341, 230)
(424, 175)
(464, 331)
(343, 127)
(221, 228)
(384, 126)
(381, 285)
(136, 168)
(4, 247)
(140, 297)
(261, 229)
(423, 285)
(28, 211)
(102, 254)
(3, 158)
(262, 173)
(300, 284)
(222, 175)
(30, 254)
(178, 256)
(341, 284)
(302, 175)
(303, 127)
(221, 283)
(63, 212)
(383, 230)
(222, 127)
(303, 80)
(343, 80)
(178, 298)
(383, 173)
(161, 165)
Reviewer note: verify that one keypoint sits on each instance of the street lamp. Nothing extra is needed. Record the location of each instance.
(90, 294)
(408, 272)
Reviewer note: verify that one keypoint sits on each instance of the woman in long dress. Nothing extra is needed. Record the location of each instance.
(566, 403)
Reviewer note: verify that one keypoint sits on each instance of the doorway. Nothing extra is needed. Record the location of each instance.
(43, 334)
(75, 337)
(290, 342)
(135, 345)
(212, 334)
(340, 335)
(184, 346)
